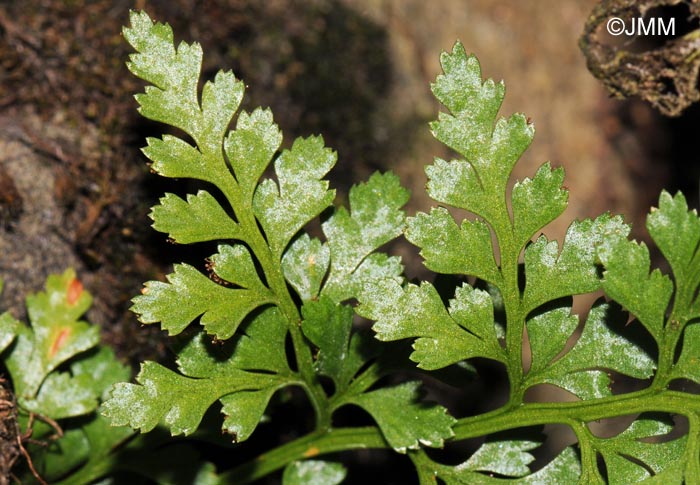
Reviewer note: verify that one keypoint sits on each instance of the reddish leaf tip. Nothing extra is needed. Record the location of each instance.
(75, 289)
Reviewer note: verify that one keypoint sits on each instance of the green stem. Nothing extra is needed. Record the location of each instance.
(502, 225)
(427, 475)
(243, 210)
(302, 352)
(589, 458)
(573, 414)
(673, 402)
(686, 285)
(692, 452)
(309, 446)
(516, 321)
(667, 351)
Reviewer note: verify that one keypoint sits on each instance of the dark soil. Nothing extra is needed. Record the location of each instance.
(9, 432)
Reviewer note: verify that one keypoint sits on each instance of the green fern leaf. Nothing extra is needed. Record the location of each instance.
(628, 281)
(552, 274)
(576, 371)
(450, 249)
(375, 218)
(301, 194)
(445, 337)
(199, 218)
(392, 406)
(188, 294)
